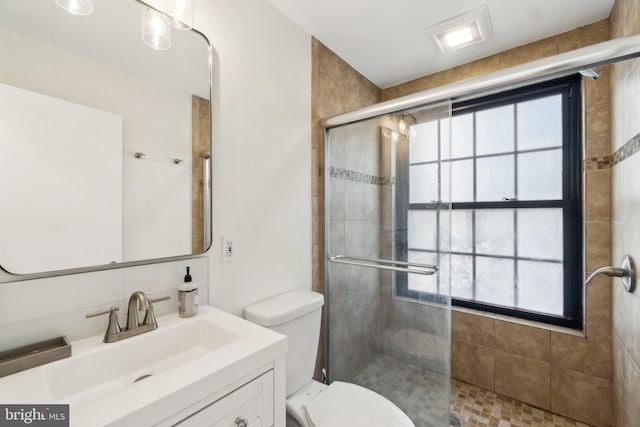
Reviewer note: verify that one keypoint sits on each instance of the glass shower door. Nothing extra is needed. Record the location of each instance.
(387, 233)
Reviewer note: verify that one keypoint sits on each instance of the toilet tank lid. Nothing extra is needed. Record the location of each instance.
(284, 308)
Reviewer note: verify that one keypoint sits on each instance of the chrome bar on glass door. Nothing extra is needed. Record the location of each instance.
(206, 199)
(374, 263)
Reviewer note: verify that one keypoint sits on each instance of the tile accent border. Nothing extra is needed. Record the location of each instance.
(593, 163)
(350, 175)
(630, 148)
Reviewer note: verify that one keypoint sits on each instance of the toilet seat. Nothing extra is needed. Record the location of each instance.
(344, 404)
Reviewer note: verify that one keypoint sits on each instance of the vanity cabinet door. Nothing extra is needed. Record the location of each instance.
(248, 406)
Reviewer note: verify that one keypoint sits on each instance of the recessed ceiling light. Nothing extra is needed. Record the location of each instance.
(461, 31)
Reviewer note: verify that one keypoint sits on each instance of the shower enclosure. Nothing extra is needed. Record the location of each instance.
(387, 248)
(390, 250)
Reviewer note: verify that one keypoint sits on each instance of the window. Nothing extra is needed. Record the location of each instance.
(515, 194)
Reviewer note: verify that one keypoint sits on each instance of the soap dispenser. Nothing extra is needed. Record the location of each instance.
(187, 297)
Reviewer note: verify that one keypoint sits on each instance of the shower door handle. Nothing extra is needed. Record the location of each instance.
(423, 269)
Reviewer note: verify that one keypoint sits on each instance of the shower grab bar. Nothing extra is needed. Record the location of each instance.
(370, 262)
(388, 261)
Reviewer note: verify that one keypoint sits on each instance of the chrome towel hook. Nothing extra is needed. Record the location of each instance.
(627, 272)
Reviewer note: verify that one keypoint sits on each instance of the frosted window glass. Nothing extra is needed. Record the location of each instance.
(423, 142)
(540, 123)
(540, 287)
(461, 276)
(445, 143)
(495, 178)
(461, 231)
(443, 272)
(494, 232)
(462, 137)
(461, 179)
(419, 282)
(494, 130)
(445, 181)
(423, 183)
(494, 281)
(540, 233)
(422, 229)
(540, 175)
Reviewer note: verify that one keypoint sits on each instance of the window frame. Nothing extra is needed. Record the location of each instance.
(571, 203)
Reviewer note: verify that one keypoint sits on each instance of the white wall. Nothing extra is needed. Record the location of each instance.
(261, 151)
(58, 195)
(262, 189)
(151, 119)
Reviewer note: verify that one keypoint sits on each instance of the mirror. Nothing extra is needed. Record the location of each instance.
(104, 142)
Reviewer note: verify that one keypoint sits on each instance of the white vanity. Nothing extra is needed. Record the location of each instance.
(214, 369)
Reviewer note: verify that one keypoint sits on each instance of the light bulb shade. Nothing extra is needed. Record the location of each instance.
(179, 13)
(155, 32)
(76, 7)
(403, 127)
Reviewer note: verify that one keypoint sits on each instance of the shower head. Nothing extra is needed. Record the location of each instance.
(589, 73)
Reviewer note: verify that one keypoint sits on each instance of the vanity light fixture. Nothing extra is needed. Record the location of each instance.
(156, 33)
(76, 7)
(404, 123)
(179, 13)
(463, 30)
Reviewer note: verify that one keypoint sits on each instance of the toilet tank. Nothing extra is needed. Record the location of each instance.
(297, 315)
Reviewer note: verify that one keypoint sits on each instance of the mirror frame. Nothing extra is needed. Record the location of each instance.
(7, 277)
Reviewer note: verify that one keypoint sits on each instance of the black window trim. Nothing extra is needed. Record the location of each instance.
(571, 203)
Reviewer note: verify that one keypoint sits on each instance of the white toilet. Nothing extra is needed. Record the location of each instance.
(297, 315)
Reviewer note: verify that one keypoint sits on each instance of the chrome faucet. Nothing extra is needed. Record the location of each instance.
(138, 301)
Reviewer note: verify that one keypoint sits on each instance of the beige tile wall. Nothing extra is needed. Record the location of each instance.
(566, 374)
(335, 88)
(625, 225)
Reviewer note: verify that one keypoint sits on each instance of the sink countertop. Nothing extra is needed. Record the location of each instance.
(190, 377)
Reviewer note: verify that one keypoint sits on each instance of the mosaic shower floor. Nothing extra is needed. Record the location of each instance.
(417, 392)
(478, 407)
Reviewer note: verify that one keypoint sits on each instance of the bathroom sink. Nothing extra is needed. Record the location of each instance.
(109, 368)
(149, 377)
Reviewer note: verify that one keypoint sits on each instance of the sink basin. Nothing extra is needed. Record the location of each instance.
(148, 378)
(93, 374)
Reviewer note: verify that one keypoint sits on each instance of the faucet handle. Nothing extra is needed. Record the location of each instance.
(165, 298)
(101, 312)
(114, 327)
(150, 317)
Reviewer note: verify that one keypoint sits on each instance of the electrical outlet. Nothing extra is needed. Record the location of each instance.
(228, 249)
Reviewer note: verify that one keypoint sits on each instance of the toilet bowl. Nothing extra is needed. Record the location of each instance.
(343, 404)
(297, 315)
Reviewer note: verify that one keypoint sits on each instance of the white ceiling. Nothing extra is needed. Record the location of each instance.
(384, 39)
(111, 35)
